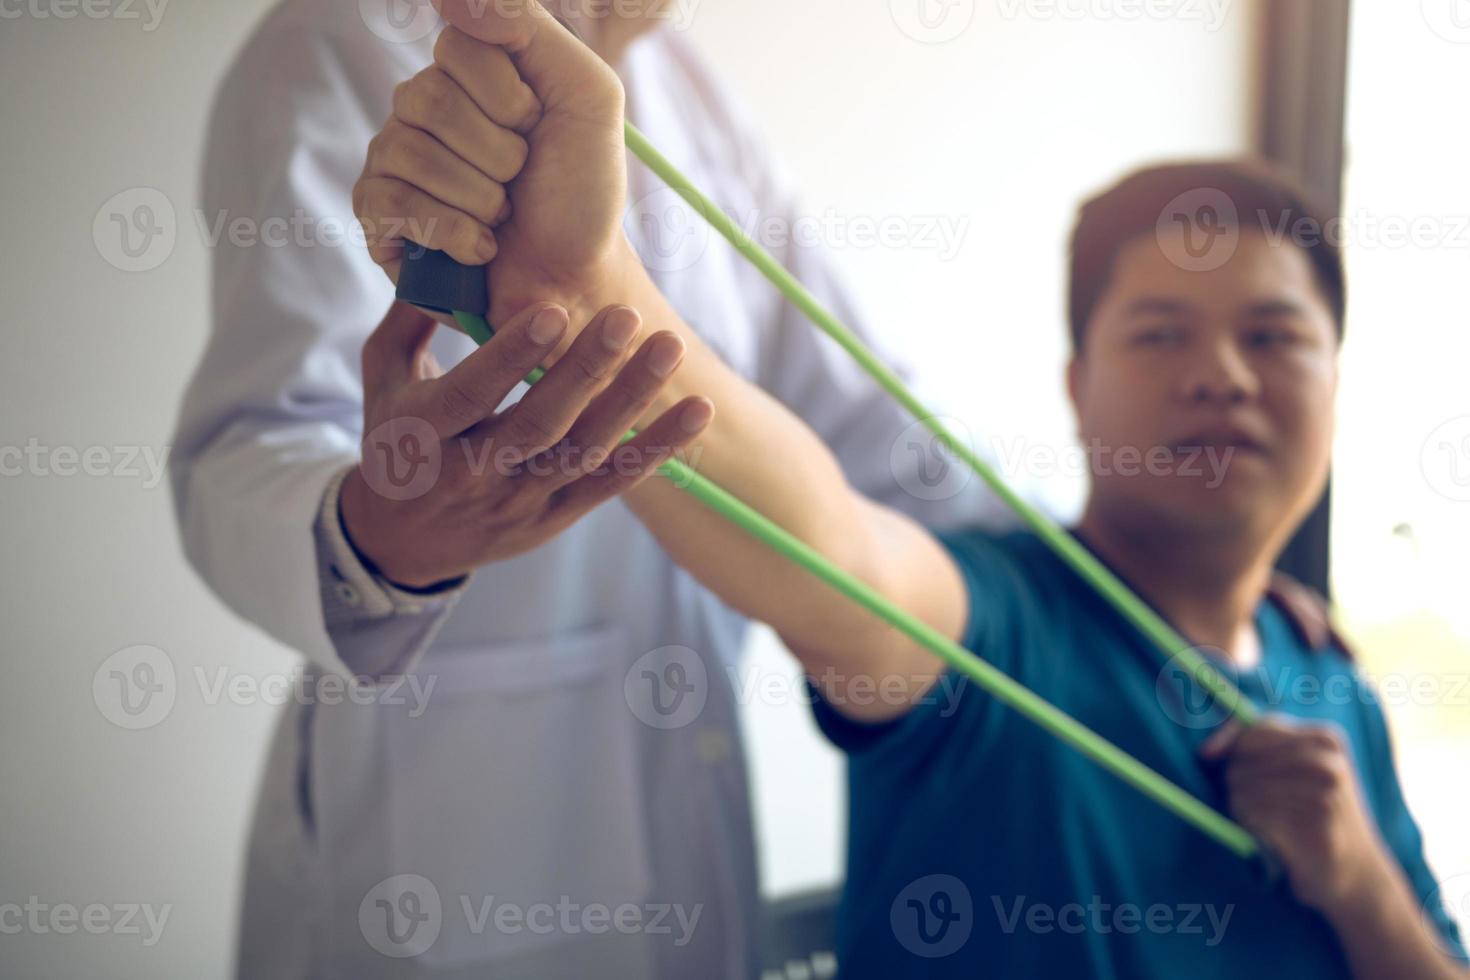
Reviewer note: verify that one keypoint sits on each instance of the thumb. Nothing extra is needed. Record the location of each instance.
(1221, 741)
(561, 70)
(396, 342)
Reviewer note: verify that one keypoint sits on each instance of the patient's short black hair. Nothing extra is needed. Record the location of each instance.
(1263, 200)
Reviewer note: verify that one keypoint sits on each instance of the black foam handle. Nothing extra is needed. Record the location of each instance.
(434, 281)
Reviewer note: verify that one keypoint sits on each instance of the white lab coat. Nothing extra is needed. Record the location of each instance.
(528, 780)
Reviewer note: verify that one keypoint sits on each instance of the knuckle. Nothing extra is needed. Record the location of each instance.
(433, 99)
(1326, 738)
(525, 105)
(590, 369)
(461, 404)
(491, 202)
(359, 197)
(463, 233)
(401, 157)
(510, 155)
(396, 199)
(444, 45)
(531, 431)
(374, 153)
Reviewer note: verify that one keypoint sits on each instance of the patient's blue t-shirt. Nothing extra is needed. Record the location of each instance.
(980, 846)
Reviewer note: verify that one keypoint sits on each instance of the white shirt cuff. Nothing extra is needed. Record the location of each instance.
(358, 588)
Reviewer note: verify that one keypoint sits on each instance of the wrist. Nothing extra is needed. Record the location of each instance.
(1362, 899)
(354, 517)
(609, 278)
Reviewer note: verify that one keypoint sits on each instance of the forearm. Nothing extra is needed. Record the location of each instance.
(766, 456)
(758, 451)
(1384, 935)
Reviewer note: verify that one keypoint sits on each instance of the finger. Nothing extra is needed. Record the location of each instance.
(1303, 778)
(1222, 741)
(1279, 741)
(1275, 814)
(635, 460)
(542, 418)
(435, 103)
(486, 73)
(559, 68)
(473, 389)
(395, 211)
(617, 409)
(413, 156)
(388, 353)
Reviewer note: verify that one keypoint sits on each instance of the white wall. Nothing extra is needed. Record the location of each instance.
(1000, 128)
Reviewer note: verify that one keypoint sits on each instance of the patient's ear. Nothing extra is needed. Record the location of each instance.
(1074, 382)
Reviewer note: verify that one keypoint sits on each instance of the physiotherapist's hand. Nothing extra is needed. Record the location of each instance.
(563, 240)
(436, 173)
(447, 483)
(1294, 786)
(508, 148)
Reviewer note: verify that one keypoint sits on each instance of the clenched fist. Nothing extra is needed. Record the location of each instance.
(508, 150)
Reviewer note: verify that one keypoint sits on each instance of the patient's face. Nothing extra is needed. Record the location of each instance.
(1206, 398)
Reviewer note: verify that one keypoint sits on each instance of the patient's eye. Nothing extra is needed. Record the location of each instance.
(1270, 337)
(1162, 335)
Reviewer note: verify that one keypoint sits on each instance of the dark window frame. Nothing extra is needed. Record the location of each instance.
(1301, 103)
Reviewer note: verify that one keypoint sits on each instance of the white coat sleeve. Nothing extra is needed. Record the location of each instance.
(273, 412)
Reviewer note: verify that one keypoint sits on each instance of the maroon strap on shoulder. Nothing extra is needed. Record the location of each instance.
(1307, 611)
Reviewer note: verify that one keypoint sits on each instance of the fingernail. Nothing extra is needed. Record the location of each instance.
(696, 416)
(666, 354)
(548, 324)
(619, 329)
(486, 247)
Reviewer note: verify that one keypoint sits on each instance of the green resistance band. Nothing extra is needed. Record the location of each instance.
(994, 681)
(1094, 572)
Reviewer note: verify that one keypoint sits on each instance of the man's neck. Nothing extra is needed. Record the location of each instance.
(1208, 585)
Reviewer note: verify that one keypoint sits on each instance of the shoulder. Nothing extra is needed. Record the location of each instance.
(303, 49)
(313, 79)
(1309, 615)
